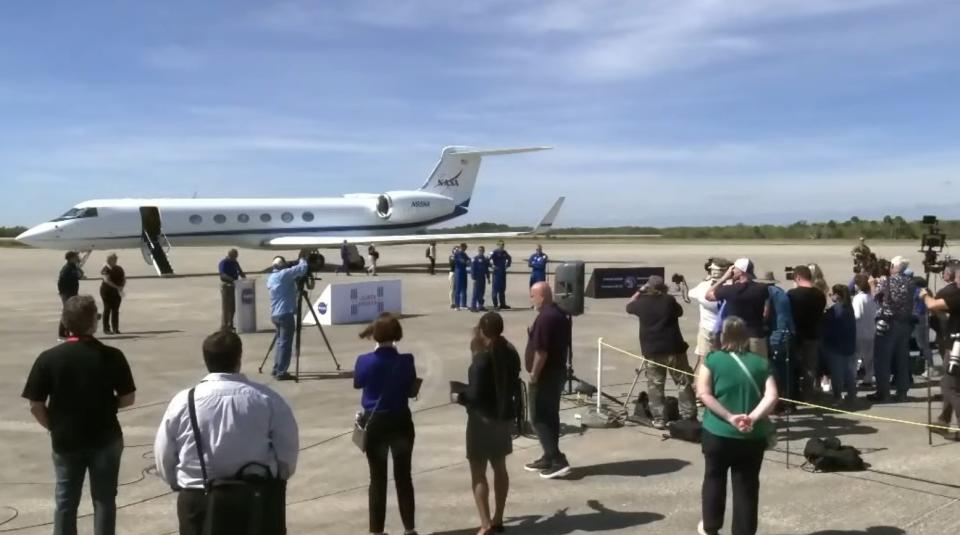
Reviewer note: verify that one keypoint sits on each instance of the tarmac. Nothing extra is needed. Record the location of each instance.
(625, 480)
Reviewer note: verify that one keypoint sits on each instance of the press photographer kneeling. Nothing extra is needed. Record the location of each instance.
(950, 383)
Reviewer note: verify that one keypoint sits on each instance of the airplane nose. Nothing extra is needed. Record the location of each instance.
(37, 235)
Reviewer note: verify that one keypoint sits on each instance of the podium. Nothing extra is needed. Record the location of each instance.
(343, 303)
(245, 297)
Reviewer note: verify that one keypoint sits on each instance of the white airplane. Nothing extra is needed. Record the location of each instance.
(391, 218)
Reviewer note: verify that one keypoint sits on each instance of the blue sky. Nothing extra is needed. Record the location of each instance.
(663, 112)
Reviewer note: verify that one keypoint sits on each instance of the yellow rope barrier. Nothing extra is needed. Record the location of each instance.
(815, 406)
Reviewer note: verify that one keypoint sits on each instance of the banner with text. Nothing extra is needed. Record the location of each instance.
(606, 283)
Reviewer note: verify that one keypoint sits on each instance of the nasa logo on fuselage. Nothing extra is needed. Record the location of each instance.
(420, 204)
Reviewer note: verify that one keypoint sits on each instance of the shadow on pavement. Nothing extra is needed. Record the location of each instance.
(875, 530)
(812, 426)
(561, 523)
(632, 468)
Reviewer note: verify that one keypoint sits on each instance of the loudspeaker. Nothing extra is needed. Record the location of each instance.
(568, 280)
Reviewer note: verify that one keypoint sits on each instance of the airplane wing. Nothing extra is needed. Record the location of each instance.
(306, 242)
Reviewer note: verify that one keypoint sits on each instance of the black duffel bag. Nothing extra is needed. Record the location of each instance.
(246, 504)
(828, 455)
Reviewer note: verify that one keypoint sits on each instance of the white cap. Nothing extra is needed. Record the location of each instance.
(901, 262)
(743, 264)
(278, 261)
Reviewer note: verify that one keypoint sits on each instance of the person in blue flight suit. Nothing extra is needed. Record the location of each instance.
(344, 259)
(538, 266)
(480, 272)
(461, 265)
(501, 260)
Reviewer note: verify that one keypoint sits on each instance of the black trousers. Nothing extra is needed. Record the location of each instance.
(191, 511)
(546, 395)
(390, 433)
(950, 390)
(742, 458)
(111, 309)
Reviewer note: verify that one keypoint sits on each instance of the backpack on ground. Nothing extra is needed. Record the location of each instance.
(687, 430)
(829, 455)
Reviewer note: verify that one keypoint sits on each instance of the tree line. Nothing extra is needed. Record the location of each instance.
(888, 228)
(11, 232)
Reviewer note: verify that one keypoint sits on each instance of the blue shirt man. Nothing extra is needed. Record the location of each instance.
(282, 285)
(501, 260)
(461, 265)
(480, 271)
(538, 266)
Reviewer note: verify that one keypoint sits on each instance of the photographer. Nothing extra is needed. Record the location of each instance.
(282, 285)
(894, 325)
(709, 310)
(950, 383)
(662, 343)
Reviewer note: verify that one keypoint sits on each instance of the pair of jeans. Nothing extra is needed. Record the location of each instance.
(546, 394)
(390, 433)
(537, 276)
(893, 351)
(657, 379)
(921, 333)
(70, 469)
(843, 375)
(111, 308)
(286, 327)
(742, 458)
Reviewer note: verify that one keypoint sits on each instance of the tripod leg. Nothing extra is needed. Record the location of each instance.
(269, 350)
(323, 333)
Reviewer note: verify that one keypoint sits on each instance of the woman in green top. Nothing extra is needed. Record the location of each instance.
(735, 428)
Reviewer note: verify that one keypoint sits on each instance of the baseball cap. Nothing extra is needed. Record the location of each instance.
(744, 264)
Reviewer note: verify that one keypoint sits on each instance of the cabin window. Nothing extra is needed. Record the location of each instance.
(243, 218)
(308, 216)
(265, 218)
(220, 219)
(196, 219)
(286, 217)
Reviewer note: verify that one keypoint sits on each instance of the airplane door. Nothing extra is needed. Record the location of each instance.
(150, 220)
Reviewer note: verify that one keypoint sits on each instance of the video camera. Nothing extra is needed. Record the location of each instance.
(931, 245)
(788, 273)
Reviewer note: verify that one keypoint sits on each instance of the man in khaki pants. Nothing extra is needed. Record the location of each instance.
(230, 272)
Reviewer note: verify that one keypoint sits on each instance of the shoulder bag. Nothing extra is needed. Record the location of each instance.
(246, 504)
(772, 435)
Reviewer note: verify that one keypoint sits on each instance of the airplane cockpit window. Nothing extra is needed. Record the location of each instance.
(78, 213)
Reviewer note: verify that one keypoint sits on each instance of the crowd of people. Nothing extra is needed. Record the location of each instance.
(756, 342)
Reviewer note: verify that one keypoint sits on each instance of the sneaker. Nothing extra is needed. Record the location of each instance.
(701, 530)
(876, 396)
(557, 469)
(285, 377)
(658, 424)
(537, 466)
(453, 306)
(505, 307)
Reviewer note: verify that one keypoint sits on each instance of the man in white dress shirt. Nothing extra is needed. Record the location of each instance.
(239, 421)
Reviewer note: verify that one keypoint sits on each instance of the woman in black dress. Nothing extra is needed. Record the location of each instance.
(494, 385)
(111, 291)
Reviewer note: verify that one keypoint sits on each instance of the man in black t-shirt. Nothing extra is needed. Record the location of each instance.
(950, 382)
(68, 283)
(75, 390)
(807, 304)
(745, 299)
(662, 342)
(546, 357)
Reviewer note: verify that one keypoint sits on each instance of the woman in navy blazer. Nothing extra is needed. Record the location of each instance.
(387, 378)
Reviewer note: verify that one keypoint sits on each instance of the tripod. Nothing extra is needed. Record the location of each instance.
(303, 298)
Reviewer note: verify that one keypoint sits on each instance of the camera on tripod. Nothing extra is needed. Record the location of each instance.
(931, 245)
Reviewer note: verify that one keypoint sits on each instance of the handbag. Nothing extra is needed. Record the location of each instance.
(246, 504)
(772, 436)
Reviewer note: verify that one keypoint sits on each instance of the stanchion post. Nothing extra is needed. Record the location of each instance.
(789, 390)
(599, 372)
(929, 398)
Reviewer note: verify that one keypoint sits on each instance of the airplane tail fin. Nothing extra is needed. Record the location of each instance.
(546, 224)
(456, 173)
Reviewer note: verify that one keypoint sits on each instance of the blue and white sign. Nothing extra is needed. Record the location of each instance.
(356, 302)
